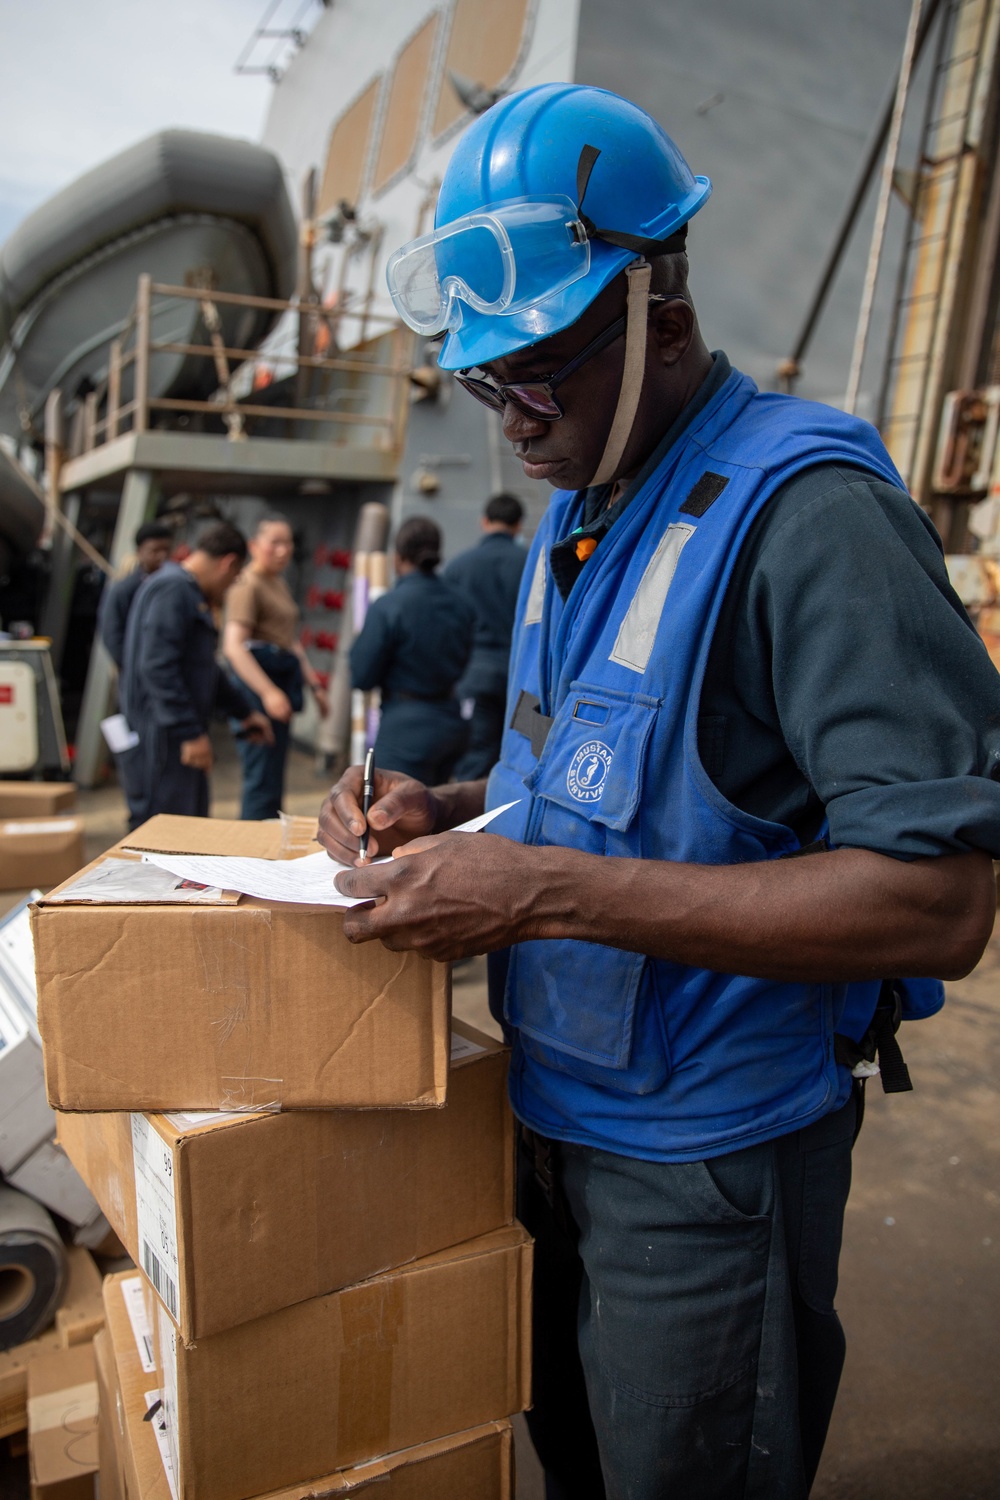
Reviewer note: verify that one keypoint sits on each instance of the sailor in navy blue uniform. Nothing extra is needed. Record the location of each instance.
(414, 645)
(489, 577)
(152, 548)
(736, 644)
(172, 685)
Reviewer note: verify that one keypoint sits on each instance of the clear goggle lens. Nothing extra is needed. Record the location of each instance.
(501, 260)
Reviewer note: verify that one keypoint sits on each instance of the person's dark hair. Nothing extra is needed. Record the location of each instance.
(418, 541)
(220, 539)
(154, 531)
(670, 276)
(273, 518)
(505, 510)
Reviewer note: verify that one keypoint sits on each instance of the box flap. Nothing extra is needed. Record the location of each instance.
(170, 834)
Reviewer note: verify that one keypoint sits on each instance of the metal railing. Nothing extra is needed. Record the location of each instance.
(107, 417)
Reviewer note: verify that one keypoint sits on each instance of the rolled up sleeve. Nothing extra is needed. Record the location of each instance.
(886, 696)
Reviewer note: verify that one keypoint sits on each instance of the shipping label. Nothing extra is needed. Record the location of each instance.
(135, 1306)
(462, 1046)
(167, 1337)
(159, 1426)
(156, 1211)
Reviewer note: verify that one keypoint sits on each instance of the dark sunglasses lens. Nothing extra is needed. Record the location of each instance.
(482, 392)
(534, 402)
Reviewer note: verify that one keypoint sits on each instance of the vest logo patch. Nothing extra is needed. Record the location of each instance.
(588, 771)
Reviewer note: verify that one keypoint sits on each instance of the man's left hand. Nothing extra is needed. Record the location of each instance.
(257, 728)
(445, 896)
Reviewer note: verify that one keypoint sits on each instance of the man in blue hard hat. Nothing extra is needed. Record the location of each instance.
(748, 799)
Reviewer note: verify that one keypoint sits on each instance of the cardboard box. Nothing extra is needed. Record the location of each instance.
(110, 1421)
(39, 851)
(36, 799)
(473, 1465)
(80, 1313)
(62, 1424)
(235, 1216)
(231, 1006)
(420, 1353)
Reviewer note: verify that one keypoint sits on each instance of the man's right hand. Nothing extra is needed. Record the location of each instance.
(277, 705)
(197, 753)
(402, 809)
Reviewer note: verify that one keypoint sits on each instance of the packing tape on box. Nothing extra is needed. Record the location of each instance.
(32, 1268)
(371, 1316)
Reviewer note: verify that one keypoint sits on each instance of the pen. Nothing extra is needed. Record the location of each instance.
(367, 792)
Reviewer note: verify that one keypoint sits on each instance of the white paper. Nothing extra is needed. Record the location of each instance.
(156, 1211)
(126, 880)
(117, 735)
(463, 1046)
(474, 825)
(17, 956)
(135, 1306)
(191, 1119)
(167, 1338)
(159, 1426)
(306, 881)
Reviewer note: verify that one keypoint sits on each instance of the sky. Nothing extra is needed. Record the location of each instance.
(82, 79)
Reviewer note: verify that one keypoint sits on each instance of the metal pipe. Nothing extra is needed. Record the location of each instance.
(882, 209)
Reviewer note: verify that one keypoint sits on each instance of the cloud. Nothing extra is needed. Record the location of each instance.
(82, 79)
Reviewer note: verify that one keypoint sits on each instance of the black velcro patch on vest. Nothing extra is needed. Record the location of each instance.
(705, 493)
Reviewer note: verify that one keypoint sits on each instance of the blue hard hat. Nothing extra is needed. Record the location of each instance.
(620, 175)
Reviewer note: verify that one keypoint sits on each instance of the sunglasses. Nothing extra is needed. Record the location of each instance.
(536, 398)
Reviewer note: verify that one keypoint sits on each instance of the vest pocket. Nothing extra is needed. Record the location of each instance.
(593, 759)
(589, 1011)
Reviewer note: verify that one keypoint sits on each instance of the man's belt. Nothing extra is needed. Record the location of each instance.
(527, 719)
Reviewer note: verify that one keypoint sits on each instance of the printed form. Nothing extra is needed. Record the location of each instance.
(307, 881)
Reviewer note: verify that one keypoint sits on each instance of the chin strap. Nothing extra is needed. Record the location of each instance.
(637, 316)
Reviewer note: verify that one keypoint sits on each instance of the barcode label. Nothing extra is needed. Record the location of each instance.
(163, 1285)
(156, 1211)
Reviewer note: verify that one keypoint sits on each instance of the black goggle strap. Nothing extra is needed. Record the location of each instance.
(638, 244)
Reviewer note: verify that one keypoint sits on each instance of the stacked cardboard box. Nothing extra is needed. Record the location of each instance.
(41, 842)
(133, 1447)
(322, 1287)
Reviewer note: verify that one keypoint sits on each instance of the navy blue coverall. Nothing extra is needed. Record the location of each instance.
(489, 577)
(414, 645)
(112, 620)
(116, 602)
(171, 685)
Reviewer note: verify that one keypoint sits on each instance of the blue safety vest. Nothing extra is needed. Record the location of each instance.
(611, 1048)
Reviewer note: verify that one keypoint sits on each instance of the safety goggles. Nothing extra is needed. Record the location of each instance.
(501, 260)
(536, 398)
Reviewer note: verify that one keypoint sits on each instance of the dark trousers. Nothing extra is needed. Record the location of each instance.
(264, 774)
(485, 734)
(132, 779)
(421, 738)
(264, 765)
(686, 1343)
(169, 787)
